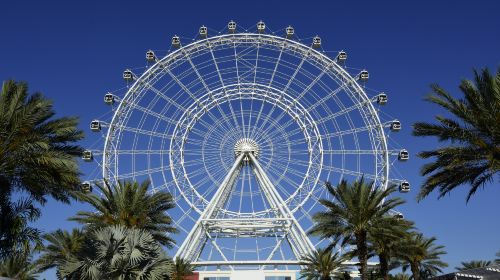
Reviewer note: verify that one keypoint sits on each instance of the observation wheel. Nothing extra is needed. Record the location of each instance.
(243, 128)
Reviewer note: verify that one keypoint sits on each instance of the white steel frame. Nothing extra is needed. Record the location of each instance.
(202, 103)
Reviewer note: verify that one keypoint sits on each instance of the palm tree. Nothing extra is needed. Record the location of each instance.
(129, 204)
(181, 268)
(15, 234)
(37, 157)
(473, 264)
(321, 265)
(37, 154)
(474, 133)
(399, 276)
(19, 266)
(117, 252)
(422, 256)
(356, 210)
(386, 242)
(62, 247)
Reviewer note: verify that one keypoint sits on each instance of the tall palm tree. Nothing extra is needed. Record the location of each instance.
(19, 266)
(399, 276)
(473, 264)
(473, 156)
(355, 210)
(386, 242)
(321, 265)
(15, 234)
(131, 205)
(181, 268)
(37, 157)
(62, 247)
(116, 252)
(37, 154)
(423, 256)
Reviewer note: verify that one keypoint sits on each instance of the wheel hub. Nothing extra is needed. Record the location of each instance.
(246, 145)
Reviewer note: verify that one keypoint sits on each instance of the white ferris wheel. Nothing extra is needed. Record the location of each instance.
(243, 127)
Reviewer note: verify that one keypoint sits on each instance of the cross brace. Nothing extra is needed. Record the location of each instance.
(284, 225)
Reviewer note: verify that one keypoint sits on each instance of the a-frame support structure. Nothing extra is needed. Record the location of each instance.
(282, 224)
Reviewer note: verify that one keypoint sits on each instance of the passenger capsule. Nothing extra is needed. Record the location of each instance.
(109, 98)
(86, 187)
(127, 75)
(176, 41)
(316, 42)
(150, 56)
(341, 57)
(403, 155)
(404, 187)
(289, 32)
(382, 98)
(203, 31)
(87, 155)
(363, 76)
(95, 126)
(261, 26)
(395, 126)
(231, 26)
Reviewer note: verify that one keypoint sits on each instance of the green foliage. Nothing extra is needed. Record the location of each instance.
(386, 243)
(473, 156)
(321, 265)
(15, 234)
(117, 252)
(37, 154)
(355, 211)
(19, 266)
(473, 264)
(62, 247)
(422, 256)
(181, 268)
(399, 276)
(37, 158)
(129, 204)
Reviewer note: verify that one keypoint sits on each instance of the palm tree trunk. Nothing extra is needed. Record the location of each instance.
(384, 265)
(415, 271)
(362, 254)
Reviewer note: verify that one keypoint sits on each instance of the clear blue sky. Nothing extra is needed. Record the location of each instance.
(74, 51)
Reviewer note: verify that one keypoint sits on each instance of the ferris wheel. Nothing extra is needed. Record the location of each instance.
(243, 127)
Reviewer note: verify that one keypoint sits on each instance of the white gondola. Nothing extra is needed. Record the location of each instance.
(150, 56)
(399, 216)
(109, 98)
(404, 187)
(289, 32)
(231, 26)
(95, 126)
(87, 155)
(203, 31)
(176, 41)
(403, 155)
(382, 98)
(86, 187)
(363, 76)
(127, 75)
(261, 26)
(341, 57)
(395, 125)
(316, 42)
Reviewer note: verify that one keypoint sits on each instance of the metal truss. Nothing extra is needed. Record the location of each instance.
(183, 122)
(283, 225)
